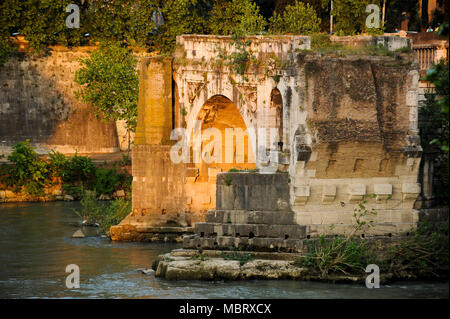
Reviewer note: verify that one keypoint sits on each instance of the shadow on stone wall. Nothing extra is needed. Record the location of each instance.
(38, 102)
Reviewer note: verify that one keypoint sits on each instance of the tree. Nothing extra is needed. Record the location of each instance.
(111, 84)
(297, 18)
(394, 10)
(322, 8)
(236, 16)
(180, 17)
(43, 22)
(351, 15)
(10, 17)
(121, 20)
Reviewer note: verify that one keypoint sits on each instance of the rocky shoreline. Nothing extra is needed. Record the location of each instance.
(184, 264)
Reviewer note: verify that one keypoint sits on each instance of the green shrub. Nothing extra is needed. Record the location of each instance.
(242, 258)
(180, 17)
(297, 19)
(106, 181)
(76, 191)
(350, 16)
(106, 214)
(343, 254)
(126, 160)
(78, 170)
(423, 254)
(28, 169)
(57, 162)
(337, 255)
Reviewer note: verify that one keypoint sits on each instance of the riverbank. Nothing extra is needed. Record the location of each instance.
(26, 176)
(181, 264)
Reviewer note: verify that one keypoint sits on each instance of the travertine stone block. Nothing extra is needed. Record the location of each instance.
(356, 192)
(328, 193)
(410, 191)
(383, 191)
(302, 194)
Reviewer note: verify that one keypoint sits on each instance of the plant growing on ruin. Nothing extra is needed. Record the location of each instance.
(297, 18)
(343, 254)
(110, 84)
(236, 16)
(228, 180)
(241, 257)
(239, 60)
(438, 102)
(422, 254)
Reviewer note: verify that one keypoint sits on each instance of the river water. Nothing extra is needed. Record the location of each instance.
(36, 246)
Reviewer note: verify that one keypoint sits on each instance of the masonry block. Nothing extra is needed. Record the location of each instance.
(302, 194)
(410, 191)
(383, 191)
(328, 193)
(356, 192)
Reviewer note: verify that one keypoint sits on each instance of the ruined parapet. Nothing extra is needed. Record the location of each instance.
(392, 43)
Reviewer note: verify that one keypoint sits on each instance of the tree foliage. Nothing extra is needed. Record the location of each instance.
(28, 170)
(110, 83)
(394, 10)
(236, 16)
(180, 17)
(121, 20)
(350, 16)
(42, 22)
(297, 18)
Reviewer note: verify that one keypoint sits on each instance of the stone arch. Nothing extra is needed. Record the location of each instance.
(217, 114)
(275, 117)
(216, 87)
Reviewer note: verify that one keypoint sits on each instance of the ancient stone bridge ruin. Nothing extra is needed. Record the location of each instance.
(347, 128)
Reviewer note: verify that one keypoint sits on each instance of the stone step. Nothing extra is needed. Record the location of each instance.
(250, 230)
(250, 217)
(253, 244)
(212, 230)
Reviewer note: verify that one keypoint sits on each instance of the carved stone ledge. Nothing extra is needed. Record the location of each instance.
(356, 192)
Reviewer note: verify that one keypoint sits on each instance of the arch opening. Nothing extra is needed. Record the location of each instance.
(275, 119)
(225, 142)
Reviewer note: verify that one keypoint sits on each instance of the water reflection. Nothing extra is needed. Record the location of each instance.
(36, 246)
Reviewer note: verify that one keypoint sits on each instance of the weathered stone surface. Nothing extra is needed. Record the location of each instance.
(120, 193)
(344, 130)
(68, 198)
(220, 269)
(252, 191)
(4, 194)
(129, 232)
(37, 102)
(78, 234)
